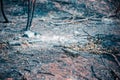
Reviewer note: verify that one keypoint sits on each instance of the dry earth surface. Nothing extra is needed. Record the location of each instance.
(68, 46)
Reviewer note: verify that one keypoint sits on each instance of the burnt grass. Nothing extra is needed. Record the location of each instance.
(78, 40)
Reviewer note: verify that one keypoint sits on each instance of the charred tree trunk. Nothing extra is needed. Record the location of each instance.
(31, 7)
(2, 10)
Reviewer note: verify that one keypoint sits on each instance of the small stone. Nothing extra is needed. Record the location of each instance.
(16, 38)
(29, 34)
(15, 43)
(107, 20)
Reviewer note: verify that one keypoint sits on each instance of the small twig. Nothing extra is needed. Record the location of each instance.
(48, 73)
(110, 69)
(115, 74)
(70, 52)
(94, 74)
(87, 33)
(64, 23)
(114, 58)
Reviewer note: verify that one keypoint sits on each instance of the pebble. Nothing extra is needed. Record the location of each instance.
(30, 34)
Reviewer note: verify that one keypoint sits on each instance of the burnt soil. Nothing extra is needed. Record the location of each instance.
(73, 43)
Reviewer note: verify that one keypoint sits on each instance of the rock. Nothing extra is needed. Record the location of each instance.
(30, 34)
(107, 20)
(15, 43)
